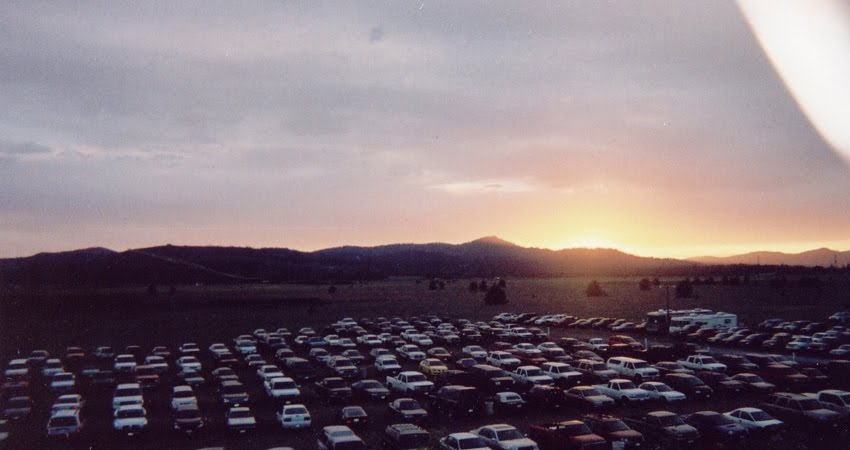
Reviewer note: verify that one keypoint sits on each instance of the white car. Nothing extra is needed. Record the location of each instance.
(188, 363)
(332, 339)
(241, 419)
(753, 418)
(411, 352)
(294, 416)
(67, 401)
(283, 388)
(183, 396)
(51, 367)
(63, 382)
(218, 349)
(660, 391)
(369, 340)
(127, 394)
(124, 363)
(598, 344)
(346, 343)
(421, 339)
(189, 348)
(387, 364)
(17, 368)
(463, 441)
(246, 347)
(269, 371)
(130, 419)
(157, 363)
(475, 351)
(504, 437)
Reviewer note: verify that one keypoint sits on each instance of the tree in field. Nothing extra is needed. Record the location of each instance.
(595, 290)
(332, 289)
(473, 286)
(495, 295)
(684, 289)
(502, 283)
(482, 286)
(645, 284)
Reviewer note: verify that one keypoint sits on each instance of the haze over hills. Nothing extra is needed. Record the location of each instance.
(819, 257)
(485, 257)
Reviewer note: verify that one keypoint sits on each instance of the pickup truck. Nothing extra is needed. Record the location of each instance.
(528, 376)
(410, 382)
(801, 410)
(664, 426)
(622, 390)
(833, 399)
(702, 362)
(565, 375)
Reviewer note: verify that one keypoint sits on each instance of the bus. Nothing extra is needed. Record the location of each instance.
(657, 322)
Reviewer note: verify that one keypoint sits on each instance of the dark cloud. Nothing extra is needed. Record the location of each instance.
(23, 148)
(376, 34)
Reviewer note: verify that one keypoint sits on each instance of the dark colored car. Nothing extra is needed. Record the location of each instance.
(721, 383)
(614, 430)
(716, 427)
(188, 419)
(333, 389)
(544, 397)
(491, 379)
(408, 410)
(754, 382)
(570, 434)
(689, 385)
(784, 377)
(664, 427)
(354, 417)
(405, 436)
(454, 400)
(370, 389)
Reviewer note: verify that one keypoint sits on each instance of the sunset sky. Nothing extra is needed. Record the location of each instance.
(656, 127)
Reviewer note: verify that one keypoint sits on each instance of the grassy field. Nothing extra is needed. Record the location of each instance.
(54, 318)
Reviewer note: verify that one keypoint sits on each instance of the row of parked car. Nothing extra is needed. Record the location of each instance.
(505, 376)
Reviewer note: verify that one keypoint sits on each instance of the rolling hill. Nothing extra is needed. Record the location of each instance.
(486, 257)
(820, 257)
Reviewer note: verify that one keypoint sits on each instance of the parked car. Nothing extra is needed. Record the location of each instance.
(354, 417)
(240, 419)
(406, 436)
(502, 436)
(294, 416)
(754, 419)
(188, 419)
(716, 427)
(408, 410)
(130, 419)
(65, 423)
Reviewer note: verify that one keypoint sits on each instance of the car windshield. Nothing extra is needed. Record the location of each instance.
(469, 443)
(574, 429)
(662, 388)
(671, 421)
(370, 384)
(353, 412)
(334, 383)
(413, 440)
(128, 392)
(184, 394)
(187, 413)
(627, 385)
(416, 378)
(284, 385)
(708, 360)
(641, 365)
(611, 426)
(234, 388)
(809, 404)
(63, 421)
(130, 413)
(760, 416)
(408, 405)
(717, 419)
(296, 410)
(533, 372)
(512, 398)
(240, 414)
(508, 434)
(693, 381)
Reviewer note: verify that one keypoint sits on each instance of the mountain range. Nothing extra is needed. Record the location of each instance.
(485, 257)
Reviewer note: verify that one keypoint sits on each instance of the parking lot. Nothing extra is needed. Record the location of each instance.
(98, 432)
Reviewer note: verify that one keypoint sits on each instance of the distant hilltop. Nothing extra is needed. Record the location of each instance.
(485, 257)
(820, 257)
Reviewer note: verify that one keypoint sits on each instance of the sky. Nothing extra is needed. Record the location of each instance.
(660, 128)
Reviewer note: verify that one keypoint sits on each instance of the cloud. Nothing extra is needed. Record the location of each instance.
(376, 34)
(486, 187)
(23, 148)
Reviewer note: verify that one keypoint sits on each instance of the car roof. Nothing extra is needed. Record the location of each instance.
(66, 413)
(747, 409)
(128, 385)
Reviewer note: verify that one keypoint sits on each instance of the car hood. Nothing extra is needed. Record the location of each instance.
(414, 412)
(631, 435)
(682, 430)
